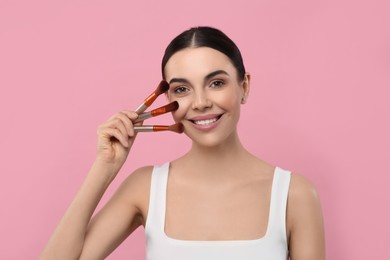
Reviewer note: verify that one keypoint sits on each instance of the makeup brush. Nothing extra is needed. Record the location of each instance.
(158, 111)
(161, 88)
(178, 128)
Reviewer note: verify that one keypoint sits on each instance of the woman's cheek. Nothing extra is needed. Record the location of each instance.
(227, 100)
(179, 114)
(175, 117)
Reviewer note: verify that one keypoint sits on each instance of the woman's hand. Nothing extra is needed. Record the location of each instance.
(115, 138)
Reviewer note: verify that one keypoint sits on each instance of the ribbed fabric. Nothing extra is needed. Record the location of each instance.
(272, 246)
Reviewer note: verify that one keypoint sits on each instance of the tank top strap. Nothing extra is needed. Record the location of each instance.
(278, 205)
(157, 200)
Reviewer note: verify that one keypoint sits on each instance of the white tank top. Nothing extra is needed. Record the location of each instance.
(272, 246)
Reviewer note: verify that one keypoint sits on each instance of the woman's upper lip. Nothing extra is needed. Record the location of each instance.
(205, 117)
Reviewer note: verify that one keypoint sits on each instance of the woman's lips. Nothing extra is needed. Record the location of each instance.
(205, 122)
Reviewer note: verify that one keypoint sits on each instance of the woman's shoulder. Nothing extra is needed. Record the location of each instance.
(139, 179)
(136, 185)
(303, 204)
(305, 226)
(301, 188)
(135, 189)
(142, 172)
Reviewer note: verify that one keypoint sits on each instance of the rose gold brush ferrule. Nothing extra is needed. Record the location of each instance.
(158, 128)
(161, 88)
(151, 128)
(158, 111)
(147, 102)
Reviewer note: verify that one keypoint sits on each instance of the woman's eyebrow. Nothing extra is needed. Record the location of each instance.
(207, 77)
(215, 73)
(180, 80)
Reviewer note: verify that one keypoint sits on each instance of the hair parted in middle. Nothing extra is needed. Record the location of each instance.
(204, 36)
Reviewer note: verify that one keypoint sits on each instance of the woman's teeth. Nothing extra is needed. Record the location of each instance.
(205, 122)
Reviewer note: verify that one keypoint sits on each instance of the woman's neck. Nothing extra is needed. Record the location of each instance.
(219, 157)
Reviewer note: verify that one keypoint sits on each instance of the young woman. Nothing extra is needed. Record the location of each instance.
(218, 201)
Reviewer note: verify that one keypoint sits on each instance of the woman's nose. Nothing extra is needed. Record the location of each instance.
(201, 101)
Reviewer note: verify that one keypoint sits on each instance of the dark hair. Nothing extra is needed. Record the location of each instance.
(205, 37)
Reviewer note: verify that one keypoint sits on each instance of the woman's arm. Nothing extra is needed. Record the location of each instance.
(304, 221)
(123, 213)
(115, 138)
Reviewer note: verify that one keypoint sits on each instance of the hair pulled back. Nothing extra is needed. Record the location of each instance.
(204, 36)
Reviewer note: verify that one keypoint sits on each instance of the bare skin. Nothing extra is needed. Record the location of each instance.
(228, 189)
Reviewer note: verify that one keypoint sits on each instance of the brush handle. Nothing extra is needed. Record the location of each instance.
(143, 128)
(158, 111)
(143, 117)
(141, 108)
(151, 128)
(147, 102)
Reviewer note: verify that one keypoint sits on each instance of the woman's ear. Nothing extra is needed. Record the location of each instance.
(245, 88)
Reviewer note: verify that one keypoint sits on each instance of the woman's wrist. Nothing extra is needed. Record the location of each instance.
(104, 171)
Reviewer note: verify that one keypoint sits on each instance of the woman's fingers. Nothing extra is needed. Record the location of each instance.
(120, 126)
(123, 121)
(127, 122)
(118, 135)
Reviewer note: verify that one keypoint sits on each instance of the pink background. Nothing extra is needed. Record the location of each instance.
(319, 104)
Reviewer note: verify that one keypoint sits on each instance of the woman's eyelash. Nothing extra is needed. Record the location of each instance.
(183, 89)
(179, 89)
(217, 83)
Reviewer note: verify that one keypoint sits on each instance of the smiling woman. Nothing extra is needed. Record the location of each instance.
(217, 201)
(209, 92)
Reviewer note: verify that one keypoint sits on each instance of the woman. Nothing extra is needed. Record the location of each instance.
(217, 201)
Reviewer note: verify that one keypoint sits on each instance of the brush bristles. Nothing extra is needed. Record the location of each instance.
(172, 106)
(165, 109)
(162, 87)
(178, 128)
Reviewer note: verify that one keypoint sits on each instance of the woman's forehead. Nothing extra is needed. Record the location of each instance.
(200, 61)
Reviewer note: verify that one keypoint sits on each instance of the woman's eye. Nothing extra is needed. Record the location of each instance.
(180, 90)
(217, 84)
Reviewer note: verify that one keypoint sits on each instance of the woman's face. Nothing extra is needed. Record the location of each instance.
(205, 83)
